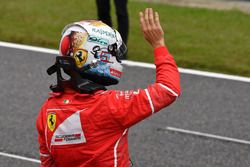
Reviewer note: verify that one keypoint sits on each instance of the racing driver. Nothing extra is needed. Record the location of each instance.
(82, 124)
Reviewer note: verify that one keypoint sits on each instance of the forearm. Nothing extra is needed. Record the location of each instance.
(166, 70)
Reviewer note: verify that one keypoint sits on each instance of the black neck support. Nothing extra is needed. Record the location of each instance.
(76, 81)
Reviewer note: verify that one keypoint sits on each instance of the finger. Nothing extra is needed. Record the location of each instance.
(142, 21)
(151, 17)
(157, 19)
(146, 18)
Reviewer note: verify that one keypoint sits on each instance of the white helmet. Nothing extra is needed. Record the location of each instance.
(97, 50)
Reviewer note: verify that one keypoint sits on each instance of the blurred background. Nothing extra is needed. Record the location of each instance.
(211, 35)
(207, 35)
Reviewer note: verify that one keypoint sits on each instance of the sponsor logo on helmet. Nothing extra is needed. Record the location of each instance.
(98, 40)
(103, 32)
(105, 57)
(80, 57)
(51, 121)
(115, 73)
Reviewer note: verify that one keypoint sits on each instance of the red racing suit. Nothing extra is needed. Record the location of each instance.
(91, 130)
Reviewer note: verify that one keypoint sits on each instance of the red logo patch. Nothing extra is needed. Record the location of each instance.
(115, 73)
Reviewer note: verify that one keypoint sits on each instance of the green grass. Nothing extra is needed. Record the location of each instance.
(203, 39)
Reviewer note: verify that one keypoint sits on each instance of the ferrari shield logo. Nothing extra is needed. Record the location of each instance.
(81, 57)
(51, 121)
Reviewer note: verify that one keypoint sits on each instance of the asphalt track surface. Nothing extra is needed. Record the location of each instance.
(215, 106)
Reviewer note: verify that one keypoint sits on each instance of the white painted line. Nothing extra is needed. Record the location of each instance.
(228, 139)
(214, 75)
(133, 63)
(30, 48)
(19, 157)
(138, 64)
(190, 71)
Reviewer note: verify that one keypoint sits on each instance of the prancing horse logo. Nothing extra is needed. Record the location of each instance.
(51, 121)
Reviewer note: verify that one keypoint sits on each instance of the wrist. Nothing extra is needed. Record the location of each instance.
(158, 44)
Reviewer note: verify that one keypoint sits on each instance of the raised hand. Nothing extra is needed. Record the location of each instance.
(151, 28)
